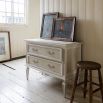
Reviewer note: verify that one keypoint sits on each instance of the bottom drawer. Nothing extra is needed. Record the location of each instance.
(45, 64)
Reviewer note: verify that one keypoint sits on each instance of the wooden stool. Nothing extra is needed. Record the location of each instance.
(88, 66)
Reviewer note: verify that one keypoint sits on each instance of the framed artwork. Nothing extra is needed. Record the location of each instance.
(64, 28)
(5, 49)
(47, 25)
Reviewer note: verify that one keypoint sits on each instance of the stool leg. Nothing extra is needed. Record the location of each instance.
(90, 87)
(85, 83)
(75, 85)
(101, 84)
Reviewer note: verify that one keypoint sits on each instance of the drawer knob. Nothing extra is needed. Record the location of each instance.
(51, 52)
(51, 66)
(36, 50)
(35, 61)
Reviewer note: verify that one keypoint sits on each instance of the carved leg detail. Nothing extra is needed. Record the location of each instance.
(75, 85)
(64, 88)
(27, 73)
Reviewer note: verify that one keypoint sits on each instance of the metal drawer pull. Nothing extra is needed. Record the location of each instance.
(35, 61)
(51, 52)
(51, 66)
(36, 50)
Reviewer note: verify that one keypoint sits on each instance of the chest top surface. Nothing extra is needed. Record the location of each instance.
(61, 44)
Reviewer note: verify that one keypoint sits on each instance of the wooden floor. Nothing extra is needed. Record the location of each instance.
(14, 88)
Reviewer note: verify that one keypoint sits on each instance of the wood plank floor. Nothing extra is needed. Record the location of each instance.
(14, 88)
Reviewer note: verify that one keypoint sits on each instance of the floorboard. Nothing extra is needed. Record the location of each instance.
(14, 88)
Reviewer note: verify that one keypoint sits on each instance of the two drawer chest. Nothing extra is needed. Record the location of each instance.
(55, 58)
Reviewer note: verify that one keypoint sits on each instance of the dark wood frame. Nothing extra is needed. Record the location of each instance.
(9, 43)
(42, 27)
(72, 31)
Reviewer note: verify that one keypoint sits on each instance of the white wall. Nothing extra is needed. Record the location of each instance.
(19, 33)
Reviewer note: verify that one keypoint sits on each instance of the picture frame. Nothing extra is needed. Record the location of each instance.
(47, 25)
(64, 29)
(5, 47)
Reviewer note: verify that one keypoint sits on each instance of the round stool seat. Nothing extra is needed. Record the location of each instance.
(88, 65)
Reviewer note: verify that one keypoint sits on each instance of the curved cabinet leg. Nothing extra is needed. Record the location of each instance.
(27, 73)
(64, 84)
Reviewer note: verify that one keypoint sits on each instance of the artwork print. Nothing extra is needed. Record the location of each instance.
(61, 29)
(5, 47)
(2, 46)
(64, 28)
(47, 25)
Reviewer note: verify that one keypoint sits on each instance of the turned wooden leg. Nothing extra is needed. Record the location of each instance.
(64, 88)
(90, 86)
(27, 73)
(85, 83)
(75, 85)
(100, 83)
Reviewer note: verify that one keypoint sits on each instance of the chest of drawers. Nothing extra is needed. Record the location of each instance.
(55, 58)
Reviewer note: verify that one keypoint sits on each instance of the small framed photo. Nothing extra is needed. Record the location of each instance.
(64, 29)
(5, 48)
(47, 25)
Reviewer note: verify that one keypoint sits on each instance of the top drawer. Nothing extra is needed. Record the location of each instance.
(45, 51)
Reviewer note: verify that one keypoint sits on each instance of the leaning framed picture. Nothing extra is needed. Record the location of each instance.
(47, 25)
(64, 29)
(5, 48)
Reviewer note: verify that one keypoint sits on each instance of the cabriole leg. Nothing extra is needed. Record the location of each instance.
(27, 73)
(64, 84)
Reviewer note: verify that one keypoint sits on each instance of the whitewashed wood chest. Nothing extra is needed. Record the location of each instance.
(55, 58)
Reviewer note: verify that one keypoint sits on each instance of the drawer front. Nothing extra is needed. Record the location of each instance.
(45, 64)
(46, 52)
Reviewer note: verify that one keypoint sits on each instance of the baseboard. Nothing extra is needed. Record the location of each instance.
(18, 57)
(15, 58)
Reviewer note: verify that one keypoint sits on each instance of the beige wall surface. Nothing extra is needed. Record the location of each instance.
(89, 29)
(19, 33)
